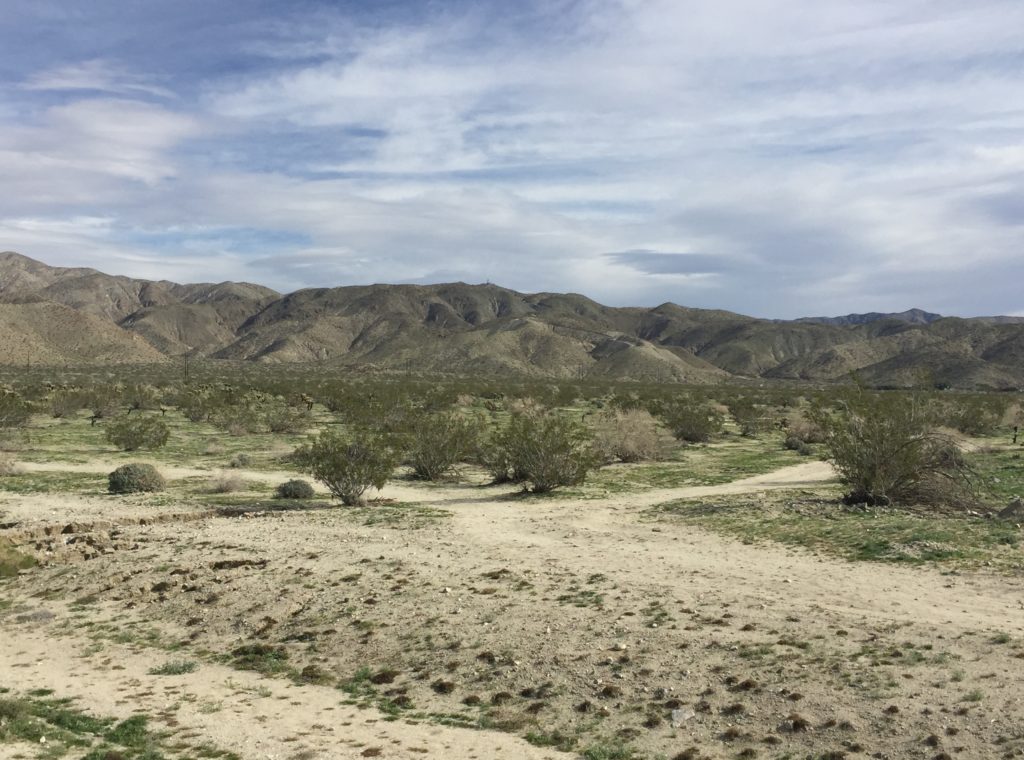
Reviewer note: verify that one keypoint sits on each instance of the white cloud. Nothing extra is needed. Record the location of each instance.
(825, 145)
(96, 75)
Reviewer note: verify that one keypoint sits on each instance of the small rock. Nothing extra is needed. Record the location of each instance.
(1014, 510)
(680, 716)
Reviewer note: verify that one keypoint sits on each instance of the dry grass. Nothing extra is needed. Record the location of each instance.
(227, 482)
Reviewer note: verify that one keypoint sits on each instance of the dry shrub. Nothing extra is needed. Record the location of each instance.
(213, 448)
(9, 467)
(227, 482)
(629, 435)
(526, 406)
(807, 431)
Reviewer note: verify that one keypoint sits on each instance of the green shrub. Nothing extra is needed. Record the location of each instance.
(974, 415)
(349, 465)
(132, 432)
(545, 449)
(886, 450)
(239, 418)
(135, 478)
(437, 442)
(14, 410)
(751, 418)
(692, 423)
(294, 489)
(797, 444)
(280, 417)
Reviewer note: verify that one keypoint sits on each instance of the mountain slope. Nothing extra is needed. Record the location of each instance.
(483, 329)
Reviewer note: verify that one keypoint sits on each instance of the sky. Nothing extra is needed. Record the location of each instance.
(777, 158)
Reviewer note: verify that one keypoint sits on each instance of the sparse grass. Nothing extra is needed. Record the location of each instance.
(704, 465)
(263, 658)
(56, 482)
(1000, 473)
(175, 668)
(395, 515)
(882, 535)
(57, 728)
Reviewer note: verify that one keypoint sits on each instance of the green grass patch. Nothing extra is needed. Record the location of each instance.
(701, 465)
(56, 482)
(1000, 473)
(263, 658)
(175, 668)
(68, 730)
(879, 535)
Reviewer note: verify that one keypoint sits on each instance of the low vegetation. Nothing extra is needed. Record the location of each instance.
(423, 604)
(133, 432)
(349, 465)
(886, 450)
(135, 478)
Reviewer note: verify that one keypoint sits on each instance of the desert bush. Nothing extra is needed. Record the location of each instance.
(226, 482)
(132, 432)
(693, 423)
(804, 429)
(64, 403)
(437, 442)
(294, 489)
(213, 448)
(348, 466)
(139, 396)
(886, 450)
(975, 415)
(629, 435)
(797, 444)
(281, 417)
(237, 419)
(135, 478)
(751, 418)
(240, 460)
(546, 450)
(14, 410)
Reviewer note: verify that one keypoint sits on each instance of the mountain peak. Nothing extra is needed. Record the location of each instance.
(910, 316)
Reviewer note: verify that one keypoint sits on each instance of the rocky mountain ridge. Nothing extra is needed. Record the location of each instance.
(482, 329)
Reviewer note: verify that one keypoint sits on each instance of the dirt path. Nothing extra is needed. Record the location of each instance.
(238, 711)
(493, 577)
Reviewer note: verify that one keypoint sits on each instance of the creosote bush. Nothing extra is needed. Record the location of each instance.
(887, 451)
(692, 422)
(437, 442)
(349, 465)
(135, 478)
(546, 450)
(131, 432)
(628, 435)
(14, 410)
(294, 489)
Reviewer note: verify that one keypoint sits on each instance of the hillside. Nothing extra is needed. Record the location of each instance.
(90, 316)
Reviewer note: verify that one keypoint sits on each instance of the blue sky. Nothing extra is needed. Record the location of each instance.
(773, 157)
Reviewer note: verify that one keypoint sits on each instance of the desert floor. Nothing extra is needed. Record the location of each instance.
(463, 621)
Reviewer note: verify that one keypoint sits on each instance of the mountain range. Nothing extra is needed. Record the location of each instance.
(56, 315)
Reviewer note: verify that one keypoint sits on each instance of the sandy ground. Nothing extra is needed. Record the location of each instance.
(583, 618)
